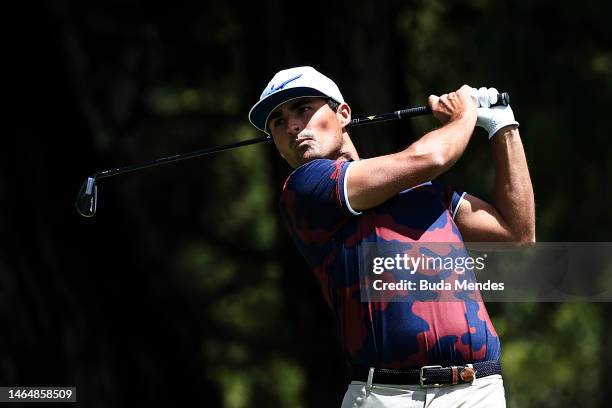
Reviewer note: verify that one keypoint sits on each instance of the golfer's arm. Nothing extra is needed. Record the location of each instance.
(371, 182)
(511, 218)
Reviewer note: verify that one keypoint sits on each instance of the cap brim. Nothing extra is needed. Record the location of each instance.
(260, 112)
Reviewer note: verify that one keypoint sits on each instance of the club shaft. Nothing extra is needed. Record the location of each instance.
(405, 113)
(177, 157)
(384, 117)
(399, 114)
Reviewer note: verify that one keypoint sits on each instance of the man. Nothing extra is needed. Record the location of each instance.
(335, 204)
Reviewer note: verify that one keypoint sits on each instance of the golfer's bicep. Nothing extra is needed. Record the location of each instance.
(365, 186)
(479, 221)
(373, 181)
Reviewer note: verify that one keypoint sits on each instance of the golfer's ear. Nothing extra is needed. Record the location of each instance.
(344, 114)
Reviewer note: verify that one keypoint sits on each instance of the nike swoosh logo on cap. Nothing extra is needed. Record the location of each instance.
(281, 85)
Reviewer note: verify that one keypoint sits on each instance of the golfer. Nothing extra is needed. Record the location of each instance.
(402, 354)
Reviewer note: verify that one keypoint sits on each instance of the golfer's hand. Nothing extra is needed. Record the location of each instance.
(494, 119)
(454, 105)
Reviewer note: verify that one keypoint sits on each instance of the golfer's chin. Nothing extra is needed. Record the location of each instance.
(307, 155)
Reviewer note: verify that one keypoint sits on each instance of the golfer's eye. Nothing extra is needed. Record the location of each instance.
(304, 108)
(277, 122)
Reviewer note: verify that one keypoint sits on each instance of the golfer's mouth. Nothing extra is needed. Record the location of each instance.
(300, 141)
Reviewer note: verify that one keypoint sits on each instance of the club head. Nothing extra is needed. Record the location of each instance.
(88, 198)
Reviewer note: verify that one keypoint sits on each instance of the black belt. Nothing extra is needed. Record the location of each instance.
(428, 376)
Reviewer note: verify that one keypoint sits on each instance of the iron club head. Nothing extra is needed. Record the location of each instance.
(88, 197)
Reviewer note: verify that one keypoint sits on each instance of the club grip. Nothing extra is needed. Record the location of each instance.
(412, 112)
(502, 99)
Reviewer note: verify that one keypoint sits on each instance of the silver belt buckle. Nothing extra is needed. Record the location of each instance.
(421, 377)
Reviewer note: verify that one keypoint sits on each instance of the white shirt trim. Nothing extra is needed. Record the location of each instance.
(346, 199)
(427, 183)
(458, 204)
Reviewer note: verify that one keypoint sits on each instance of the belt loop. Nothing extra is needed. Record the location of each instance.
(455, 371)
(369, 382)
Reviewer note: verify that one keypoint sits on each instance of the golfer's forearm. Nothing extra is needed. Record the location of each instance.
(446, 144)
(513, 191)
(373, 181)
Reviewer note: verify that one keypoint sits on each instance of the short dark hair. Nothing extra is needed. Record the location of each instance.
(333, 104)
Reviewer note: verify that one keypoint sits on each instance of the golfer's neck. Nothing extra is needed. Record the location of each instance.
(347, 151)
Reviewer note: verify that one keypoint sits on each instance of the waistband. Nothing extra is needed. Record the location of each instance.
(426, 376)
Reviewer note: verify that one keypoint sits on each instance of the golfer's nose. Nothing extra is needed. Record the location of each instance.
(294, 125)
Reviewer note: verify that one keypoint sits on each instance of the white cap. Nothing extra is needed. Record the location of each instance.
(289, 84)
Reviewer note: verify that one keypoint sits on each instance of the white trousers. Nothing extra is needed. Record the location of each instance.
(483, 392)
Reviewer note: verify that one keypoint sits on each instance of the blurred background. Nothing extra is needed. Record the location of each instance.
(185, 287)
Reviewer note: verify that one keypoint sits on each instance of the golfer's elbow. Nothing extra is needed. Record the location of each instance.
(528, 225)
(526, 237)
(531, 238)
(526, 242)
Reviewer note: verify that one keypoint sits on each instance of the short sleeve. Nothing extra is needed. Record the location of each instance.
(455, 199)
(452, 196)
(314, 200)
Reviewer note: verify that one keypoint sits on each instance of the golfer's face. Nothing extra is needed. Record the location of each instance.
(305, 129)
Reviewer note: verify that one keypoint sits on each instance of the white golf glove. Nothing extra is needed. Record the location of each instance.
(493, 118)
(484, 97)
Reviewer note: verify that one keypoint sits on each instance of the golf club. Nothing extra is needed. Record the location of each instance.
(87, 199)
